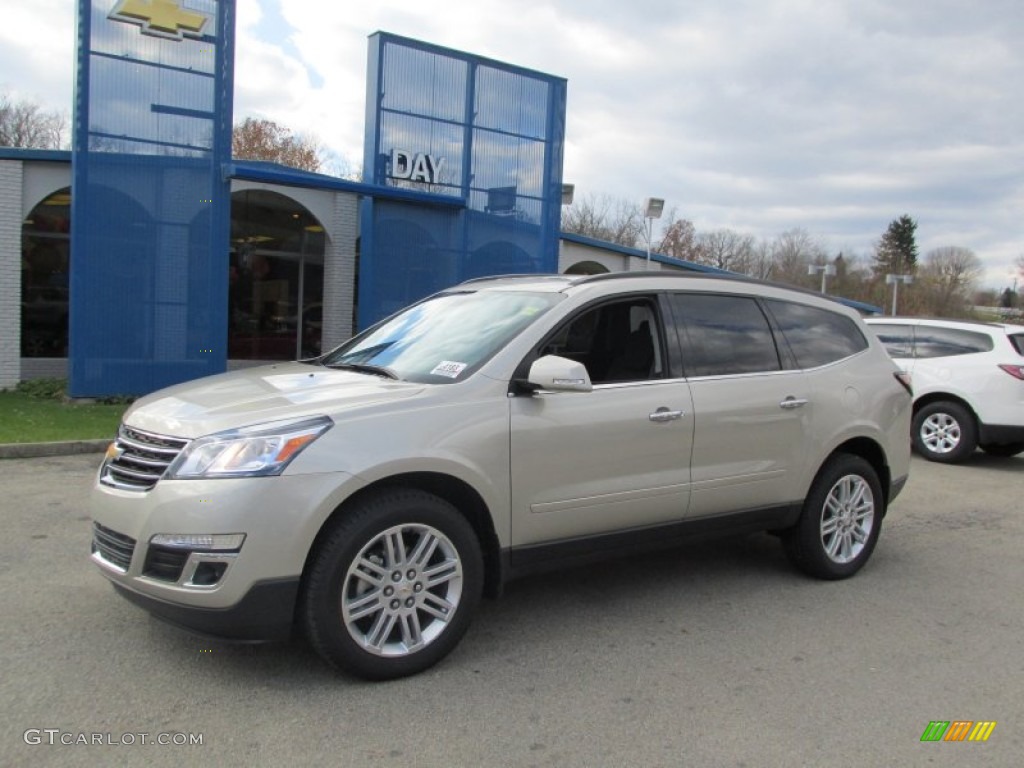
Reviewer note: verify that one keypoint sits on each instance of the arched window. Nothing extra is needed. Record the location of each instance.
(45, 255)
(276, 279)
(586, 268)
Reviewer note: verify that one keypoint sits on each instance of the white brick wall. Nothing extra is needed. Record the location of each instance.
(11, 179)
(340, 269)
(570, 253)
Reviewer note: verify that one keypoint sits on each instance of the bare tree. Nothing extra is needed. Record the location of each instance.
(852, 278)
(761, 261)
(25, 123)
(726, 249)
(261, 139)
(792, 252)
(947, 281)
(603, 217)
(678, 239)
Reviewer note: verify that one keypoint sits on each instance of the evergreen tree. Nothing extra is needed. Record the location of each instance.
(896, 253)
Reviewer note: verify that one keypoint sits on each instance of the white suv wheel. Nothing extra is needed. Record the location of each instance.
(945, 432)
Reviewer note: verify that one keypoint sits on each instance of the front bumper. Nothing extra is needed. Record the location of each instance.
(246, 593)
(266, 612)
(1000, 433)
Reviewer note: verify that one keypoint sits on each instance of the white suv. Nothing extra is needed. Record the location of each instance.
(502, 427)
(968, 380)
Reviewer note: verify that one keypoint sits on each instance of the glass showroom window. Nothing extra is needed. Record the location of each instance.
(276, 278)
(46, 246)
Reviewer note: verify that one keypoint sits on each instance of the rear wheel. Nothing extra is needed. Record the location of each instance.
(840, 521)
(944, 432)
(393, 585)
(1002, 449)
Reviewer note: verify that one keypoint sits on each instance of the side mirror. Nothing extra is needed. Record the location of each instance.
(559, 374)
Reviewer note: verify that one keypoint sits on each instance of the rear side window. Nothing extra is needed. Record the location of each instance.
(723, 335)
(898, 340)
(1017, 339)
(817, 336)
(948, 342)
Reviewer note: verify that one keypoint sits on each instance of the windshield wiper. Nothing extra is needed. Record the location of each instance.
(373, 370)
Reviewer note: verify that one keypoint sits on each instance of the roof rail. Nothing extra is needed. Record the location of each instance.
(670, 274)
(523, 276)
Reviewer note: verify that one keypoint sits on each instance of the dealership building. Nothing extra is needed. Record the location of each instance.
(148, 255)
(293, 253)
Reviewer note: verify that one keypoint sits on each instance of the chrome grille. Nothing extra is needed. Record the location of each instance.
(141, 459)
(114, 547)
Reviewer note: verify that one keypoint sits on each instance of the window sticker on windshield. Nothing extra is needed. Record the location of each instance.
(449, 369)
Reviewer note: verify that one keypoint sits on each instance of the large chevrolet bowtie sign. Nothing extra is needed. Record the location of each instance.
(161, 18)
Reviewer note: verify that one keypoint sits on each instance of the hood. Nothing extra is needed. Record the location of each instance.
(258, 395)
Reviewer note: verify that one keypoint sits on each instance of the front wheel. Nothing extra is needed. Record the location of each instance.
(392, 585)
(944, 432)
(840, 521)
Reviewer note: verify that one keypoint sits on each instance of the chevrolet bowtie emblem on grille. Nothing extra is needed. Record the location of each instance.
(161, 18)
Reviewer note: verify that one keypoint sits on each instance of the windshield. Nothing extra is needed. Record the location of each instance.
(444, 338)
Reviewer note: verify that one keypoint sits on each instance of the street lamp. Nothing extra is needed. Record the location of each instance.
(825, 269)
(894, 281)
(652, 210)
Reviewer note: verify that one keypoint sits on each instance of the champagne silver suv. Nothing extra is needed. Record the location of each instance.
(508, 425)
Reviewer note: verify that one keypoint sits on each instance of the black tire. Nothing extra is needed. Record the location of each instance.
(944, 432)
(361, 620)
(840, 522)
(1002, 449)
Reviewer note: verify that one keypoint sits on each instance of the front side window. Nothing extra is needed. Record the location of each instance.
(444, 338)
(616, 342)
(949, 342)
(724, 335)
(817, 336)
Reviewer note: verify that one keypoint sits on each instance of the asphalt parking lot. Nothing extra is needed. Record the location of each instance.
(712, 655)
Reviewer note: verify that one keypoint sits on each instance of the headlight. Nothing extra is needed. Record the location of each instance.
(265, 449)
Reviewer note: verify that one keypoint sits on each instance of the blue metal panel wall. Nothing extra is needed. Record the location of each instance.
(151, 206)
(494, 134)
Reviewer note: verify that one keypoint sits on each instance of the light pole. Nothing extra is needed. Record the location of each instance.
(894, 281)
(652, 210)
(825, 269)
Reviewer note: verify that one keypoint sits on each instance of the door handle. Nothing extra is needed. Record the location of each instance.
(664, 414)
(793, 402)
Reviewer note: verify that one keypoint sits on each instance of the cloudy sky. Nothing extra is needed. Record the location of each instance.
(835, 116)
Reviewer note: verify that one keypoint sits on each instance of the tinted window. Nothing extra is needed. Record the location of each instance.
(947, 342)
(724, 335)
(1017, 339)
(897, 339)
(817, 336)
(616, 342)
